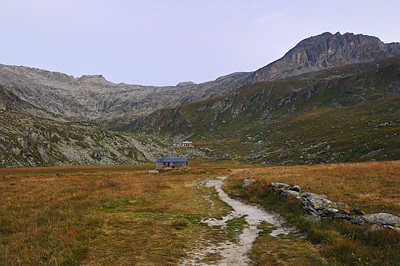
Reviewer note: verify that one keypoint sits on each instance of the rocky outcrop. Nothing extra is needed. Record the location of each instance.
(317, 207)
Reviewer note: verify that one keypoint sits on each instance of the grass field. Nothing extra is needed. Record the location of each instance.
(122, 215)
(372, 187)
(100, 215)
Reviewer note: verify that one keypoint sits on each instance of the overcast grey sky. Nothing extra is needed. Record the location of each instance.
(163, 42)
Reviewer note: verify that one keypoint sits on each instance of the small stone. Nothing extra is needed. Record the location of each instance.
(296, 188)
(248, 181)
(153, 172)
(290, 194)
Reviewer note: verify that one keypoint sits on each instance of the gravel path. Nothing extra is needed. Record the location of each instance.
(236, 253)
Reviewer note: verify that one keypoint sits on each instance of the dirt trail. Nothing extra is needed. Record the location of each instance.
(236, 253)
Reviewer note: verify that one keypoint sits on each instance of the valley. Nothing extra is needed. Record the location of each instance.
(77, 154)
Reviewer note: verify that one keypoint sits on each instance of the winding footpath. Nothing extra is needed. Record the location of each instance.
(229, 252)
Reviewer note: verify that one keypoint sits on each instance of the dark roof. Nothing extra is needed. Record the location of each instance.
(172, 159)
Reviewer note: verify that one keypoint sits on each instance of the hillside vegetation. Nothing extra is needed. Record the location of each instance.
(343, 114)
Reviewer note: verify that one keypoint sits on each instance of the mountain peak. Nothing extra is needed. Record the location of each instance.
(185, 83)
(324, 51)
(91, 78)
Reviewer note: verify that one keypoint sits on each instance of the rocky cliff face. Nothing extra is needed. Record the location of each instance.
(326, 51)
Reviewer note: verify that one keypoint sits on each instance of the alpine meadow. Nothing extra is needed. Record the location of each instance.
(296, 163)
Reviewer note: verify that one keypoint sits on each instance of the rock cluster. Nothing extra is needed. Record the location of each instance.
(317, 207)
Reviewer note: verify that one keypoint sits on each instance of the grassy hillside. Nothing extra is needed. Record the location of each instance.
(342, 114)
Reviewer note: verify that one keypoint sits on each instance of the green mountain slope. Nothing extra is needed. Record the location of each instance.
(343, 114)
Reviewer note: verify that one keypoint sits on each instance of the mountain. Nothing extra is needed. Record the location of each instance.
(93, 98)
(326, 51)
(31, 136)
(347, 113)
(332, 98)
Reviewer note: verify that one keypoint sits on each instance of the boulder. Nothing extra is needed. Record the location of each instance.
(316, 201)
(382, 219)
(329, 212)
(248, 181)
(342, 215)
(278, 187)
(296, 188)
(357, 219)
(290, 194)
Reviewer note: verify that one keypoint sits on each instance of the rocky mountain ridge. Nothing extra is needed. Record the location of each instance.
(326, 51)
(93, 98)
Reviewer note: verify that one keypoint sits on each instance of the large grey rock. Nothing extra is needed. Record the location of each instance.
(316, 201)
(358, 220)
(383, 219)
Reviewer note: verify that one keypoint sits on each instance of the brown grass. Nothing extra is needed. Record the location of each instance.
(370, 186)
(102, 215)
(121, 215)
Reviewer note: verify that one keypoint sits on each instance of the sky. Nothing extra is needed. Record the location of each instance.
(164, 42)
